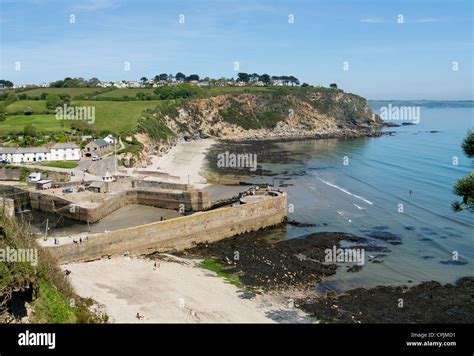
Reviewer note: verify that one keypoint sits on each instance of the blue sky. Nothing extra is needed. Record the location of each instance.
(387, 60)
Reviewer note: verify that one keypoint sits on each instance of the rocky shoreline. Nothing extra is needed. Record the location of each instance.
(428, 302)
(295, 267)
(304, 135)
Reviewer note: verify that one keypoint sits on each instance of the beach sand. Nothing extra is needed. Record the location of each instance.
(185, 161)
(175, 292)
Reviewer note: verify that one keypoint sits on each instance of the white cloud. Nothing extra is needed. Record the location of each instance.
(372, 20)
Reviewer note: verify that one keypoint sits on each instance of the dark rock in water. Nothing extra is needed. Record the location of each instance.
(380, 227)
(443, 237)
(275, 265)
(427, 229)
(300, 224)
(425, 239)
(407, 123)
(385, 236)
(371, 248)
(354, 268)
(454, 263)
(428, 302)
(390, 124)
(377, 261)
(380, 255)
(410, 228)
(428, 257)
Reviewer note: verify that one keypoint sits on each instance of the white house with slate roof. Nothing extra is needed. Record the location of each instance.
(65, 152)
(59, 152)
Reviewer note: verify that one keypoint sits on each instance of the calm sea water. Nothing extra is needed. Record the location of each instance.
(366, 195)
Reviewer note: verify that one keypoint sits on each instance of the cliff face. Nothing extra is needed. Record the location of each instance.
(302, 112)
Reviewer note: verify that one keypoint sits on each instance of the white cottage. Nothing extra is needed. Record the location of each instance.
(59, 152)
(65, 152)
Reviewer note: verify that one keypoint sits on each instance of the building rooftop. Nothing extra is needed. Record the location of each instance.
(101, 143)
(97, 184)
(65, 145)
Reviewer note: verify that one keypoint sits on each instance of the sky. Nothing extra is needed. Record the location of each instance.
(380, 49)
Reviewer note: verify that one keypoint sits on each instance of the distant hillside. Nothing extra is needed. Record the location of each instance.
(279, 113)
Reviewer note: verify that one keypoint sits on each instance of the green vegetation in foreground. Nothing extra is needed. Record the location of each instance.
(119, 117)
(21, 106)
(464, 187)
(46, 123)
(220, 271)
(51, 307)
(53, 298)
(60, 164)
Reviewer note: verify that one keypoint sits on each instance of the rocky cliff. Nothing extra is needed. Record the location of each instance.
(282, 113)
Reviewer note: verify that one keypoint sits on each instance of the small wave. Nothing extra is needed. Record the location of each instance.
(341, 213)
(358, 207)
(345, 191)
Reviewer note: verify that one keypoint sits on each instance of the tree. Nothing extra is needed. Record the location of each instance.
(468, 144)
(30, 130)
(304, 85)
(293, 80)
(3, 112)
(243, 77)
(180, 76)
(6, 83)
(464, 187)
(192, 77)
(53, 101)
(264, 78)
(143, 80)
(163, 76)
(333, 85)
(93, 81)
(11, 98)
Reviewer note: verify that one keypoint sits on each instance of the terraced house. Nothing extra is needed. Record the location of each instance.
(58, 152)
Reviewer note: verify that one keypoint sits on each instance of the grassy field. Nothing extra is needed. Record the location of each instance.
(117, 116)
(71, 91)
(118, 93)
(60, 164)
(114, 116)
(19, 107)
(16, 123)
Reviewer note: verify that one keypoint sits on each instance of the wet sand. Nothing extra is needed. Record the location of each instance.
(127, 216)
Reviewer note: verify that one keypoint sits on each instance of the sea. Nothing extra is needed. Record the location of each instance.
(395, 190)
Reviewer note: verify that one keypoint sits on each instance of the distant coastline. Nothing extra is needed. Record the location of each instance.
(425, 103)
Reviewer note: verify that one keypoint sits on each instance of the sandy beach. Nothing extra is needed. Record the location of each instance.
(184, 160)
(177, 291)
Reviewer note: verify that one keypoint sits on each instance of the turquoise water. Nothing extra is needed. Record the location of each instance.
(365, 196)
